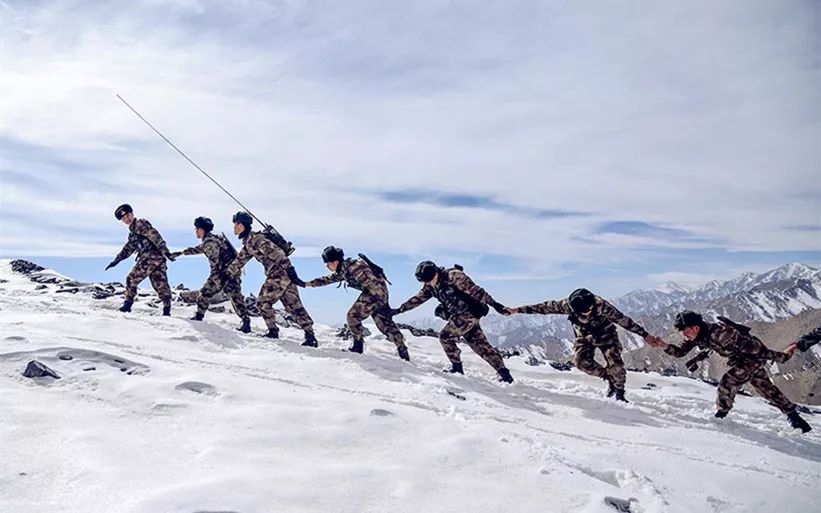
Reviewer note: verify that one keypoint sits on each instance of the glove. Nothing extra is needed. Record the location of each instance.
(499, 307)
(692, 366)
(294, 277)
(171, 256)
(390, 312)
(112, 264)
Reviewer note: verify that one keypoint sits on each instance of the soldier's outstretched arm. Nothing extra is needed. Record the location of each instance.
(236, 265)
(324, 280)
(128, 249)
(561, 306)
(415, 301)
(613, 314)
(678, 351)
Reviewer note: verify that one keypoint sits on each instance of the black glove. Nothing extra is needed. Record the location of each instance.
(805, 343)
(499, 307)
(692, 366)
(171, 256)
(294, 277)
(112, 264)
(387, 311)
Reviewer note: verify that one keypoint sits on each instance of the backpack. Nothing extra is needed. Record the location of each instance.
(227, 250)
(744, 330)
(377, 270)
(476, 308)
(274, 236)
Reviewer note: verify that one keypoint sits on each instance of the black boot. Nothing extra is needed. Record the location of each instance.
(455, 368)
(272, 333)
(504, 375)
(619, 393)
(611, 388)
(797, 422)
(166, 311)
(310, 339)
(246, 326)
(126, 305)
(197, 316)
(358, 346)
(403, 353)
(720, 414)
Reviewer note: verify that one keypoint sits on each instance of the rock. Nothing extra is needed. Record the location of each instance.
(197, 387)
(507, 353)
(25, 267)
(41, 287)
(35, 369)
(217, 309)
(562, 366)
(181, 287)
(533, 361)
(345, 332)
(66, 357)
(418, 332)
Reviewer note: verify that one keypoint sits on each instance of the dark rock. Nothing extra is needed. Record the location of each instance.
(533, 361)
(217, 309)
(71, 290)
(41, 287)
(345, 332)
(89, 368)
(507, 353)
(559, 366)
(66, 357)
(35, 369)
(418, 332)
(25, 267)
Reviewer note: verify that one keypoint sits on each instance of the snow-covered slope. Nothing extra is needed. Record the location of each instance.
(178, 416)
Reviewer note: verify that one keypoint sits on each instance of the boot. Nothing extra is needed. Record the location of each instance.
(504, 375)
(272, 333)
(126, 305)
(456, 368)
(197, 316)
(611, 388)
(720, 414)
(358, 346)
(403, 353)
(797, 422)
(310, 339)
(619, 393)
(166, 311)
(246, 326)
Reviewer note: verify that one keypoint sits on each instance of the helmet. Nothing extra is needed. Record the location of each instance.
(332, 254)
(122, 210)
(426, 270)
(204, 223)
(244, 218)
(687, 318)
(581, 300)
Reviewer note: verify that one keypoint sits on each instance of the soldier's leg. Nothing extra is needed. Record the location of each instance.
(293, 305)
(615, 365)
(270, 292)
(477, 341)
(732, 381)
(359, 311)
(584, 357)
(233, 289)
(140, 272)
(389, 328)
(764, 386)
(448, 337)
(159, 280)
(211, 286)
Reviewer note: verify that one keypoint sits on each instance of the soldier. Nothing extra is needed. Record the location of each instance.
(463, 304)
(220, 254)
(280, 278)
(151, 254)
(372, 302)
(746, 355)
(593, 321)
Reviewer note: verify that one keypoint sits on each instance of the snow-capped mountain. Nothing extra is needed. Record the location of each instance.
(163, 414)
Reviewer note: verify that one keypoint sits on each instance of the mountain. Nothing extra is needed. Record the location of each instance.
(162, 414)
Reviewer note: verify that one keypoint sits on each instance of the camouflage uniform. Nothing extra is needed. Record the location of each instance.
(746, 358)
(220, 254)
(358, 275)
(464, 303)
(277, 286)
(594, 331)
(151, 254)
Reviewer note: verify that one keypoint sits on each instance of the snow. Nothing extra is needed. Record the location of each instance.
(279, 427)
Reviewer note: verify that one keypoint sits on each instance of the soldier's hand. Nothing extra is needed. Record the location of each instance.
(791, 349)
(654, 341)
(170, 256)
(175, 254)
(112, 264)
(499, 307)
(509, 311)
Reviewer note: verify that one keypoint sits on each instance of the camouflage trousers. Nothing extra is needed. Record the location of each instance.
(153, 267)
(467, 327)
(752, 371)
(367, 305)
(281, 288)
(584, 356)
(233, 289)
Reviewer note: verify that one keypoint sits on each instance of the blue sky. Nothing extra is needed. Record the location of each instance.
(543, 145)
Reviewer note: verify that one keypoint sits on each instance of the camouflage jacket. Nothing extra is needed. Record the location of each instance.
(144, 239)
(217, 249)
(356, 274)
(453, 290)
(258, 245)
(598, 328)
(728, 342)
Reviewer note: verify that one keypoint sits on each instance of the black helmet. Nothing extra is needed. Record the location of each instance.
(122, 210)
(244, 218)
(204, 223)
(332, 254)
(687, 318)
(425, 271)
(581, 300)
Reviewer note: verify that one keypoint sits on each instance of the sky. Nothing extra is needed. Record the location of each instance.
(542, 145)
